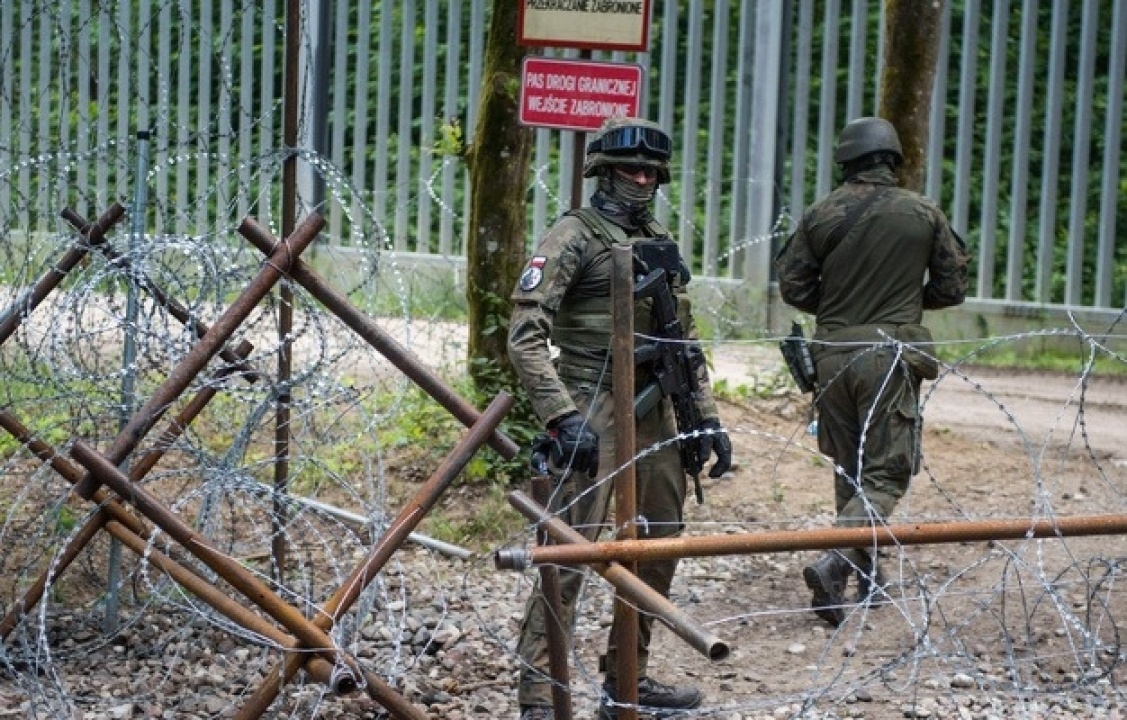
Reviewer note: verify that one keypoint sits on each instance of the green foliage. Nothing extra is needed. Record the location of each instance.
(492, 522)
(1045, 358)
(66, 520)
(449, 140)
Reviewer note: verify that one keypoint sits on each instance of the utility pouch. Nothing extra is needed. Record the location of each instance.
(796, 353)
(919, 361)
(661, 252)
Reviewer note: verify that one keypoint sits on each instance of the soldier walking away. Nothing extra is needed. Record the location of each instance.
(563, 297)
(866, 261)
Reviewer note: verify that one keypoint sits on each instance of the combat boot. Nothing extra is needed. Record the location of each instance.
(536, 712)
(653, 698)
(826, 578)
(872, 588)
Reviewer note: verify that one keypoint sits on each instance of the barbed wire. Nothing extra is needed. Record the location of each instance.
(1025, 628)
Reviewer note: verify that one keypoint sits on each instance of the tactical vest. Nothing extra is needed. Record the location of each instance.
(582, 326)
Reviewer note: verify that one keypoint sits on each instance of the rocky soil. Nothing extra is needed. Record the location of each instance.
(977, 630)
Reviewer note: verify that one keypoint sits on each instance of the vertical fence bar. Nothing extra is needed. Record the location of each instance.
(7, 102)
(1047, 217)
(992, 151)
(715, 190)
(1019, 175)
(162, 127)
(361, 139)
(339, 117)
(938, 117)
(381, 190)
(666, 106)
(965, 132)
(23, 176)
(184, 24)
(827, 98)
(225, 50)
(686, 228)
(451, 88)
(267, 142)
(203, 117)
(800, 98)
(858, 37)
(1113, 158)
(426, 127)
(403, 131)
(1081, 152)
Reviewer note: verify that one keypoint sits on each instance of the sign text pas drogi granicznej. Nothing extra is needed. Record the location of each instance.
(577, 94)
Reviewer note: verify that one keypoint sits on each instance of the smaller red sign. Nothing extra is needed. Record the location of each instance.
(577, 94)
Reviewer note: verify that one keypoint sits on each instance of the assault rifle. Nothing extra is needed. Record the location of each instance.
(674, 365)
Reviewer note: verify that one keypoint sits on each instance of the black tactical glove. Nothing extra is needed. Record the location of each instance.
(715, 441)
(574, 446)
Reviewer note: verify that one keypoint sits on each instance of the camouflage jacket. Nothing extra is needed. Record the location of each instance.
(562, 299)
(897, 258)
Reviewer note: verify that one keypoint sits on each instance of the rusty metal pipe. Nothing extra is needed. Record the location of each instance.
(63, 560)
(824, 539)
(402, 358)
(208, 346)
(626, 583)
(625, 489)
(236, 356)
(394, 537)
(226, 567)
(558, 633)
(111, 508)
(125, 526)
(320, 669)
(94, 235)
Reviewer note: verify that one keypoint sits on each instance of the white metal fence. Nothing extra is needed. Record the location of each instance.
(1025, 151)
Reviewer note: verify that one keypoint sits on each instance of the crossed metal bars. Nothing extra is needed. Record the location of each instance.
(308, 642)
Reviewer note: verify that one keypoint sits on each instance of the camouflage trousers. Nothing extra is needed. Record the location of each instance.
(869, 423)
(584, 503)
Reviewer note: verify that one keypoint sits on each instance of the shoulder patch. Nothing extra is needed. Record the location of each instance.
(533, 273)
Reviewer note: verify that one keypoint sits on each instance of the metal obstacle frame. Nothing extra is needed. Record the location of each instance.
(307, 641)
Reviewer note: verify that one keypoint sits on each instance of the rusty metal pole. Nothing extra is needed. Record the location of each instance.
(290, 100)
(558, 633)
(208, 347)
(402, 358)
(225, 566)
(394, 537)
(825, 539)
(125, 526)
(94, 234)
(111, 508)
(625, 582)
(625, 497)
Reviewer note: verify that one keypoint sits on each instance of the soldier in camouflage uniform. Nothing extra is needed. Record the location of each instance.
(563, 298)
(866, 261)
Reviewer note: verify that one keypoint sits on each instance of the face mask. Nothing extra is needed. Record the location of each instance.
(628, 191)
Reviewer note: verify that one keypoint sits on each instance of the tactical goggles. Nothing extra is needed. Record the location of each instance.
(632, 138)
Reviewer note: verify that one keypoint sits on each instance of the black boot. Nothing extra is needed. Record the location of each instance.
(652, 695)
(826, 578)
(872, 587)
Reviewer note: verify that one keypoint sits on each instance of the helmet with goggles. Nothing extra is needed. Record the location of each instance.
(629, 141)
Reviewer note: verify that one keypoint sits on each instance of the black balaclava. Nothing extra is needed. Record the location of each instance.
(622, 200)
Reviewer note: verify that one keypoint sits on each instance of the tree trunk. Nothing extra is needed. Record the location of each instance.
(499, 158)
(911, 51)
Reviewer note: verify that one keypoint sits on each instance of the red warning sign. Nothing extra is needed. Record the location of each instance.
(577, 94)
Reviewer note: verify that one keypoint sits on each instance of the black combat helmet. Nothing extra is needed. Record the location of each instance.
(629, 141)
(865, 136)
